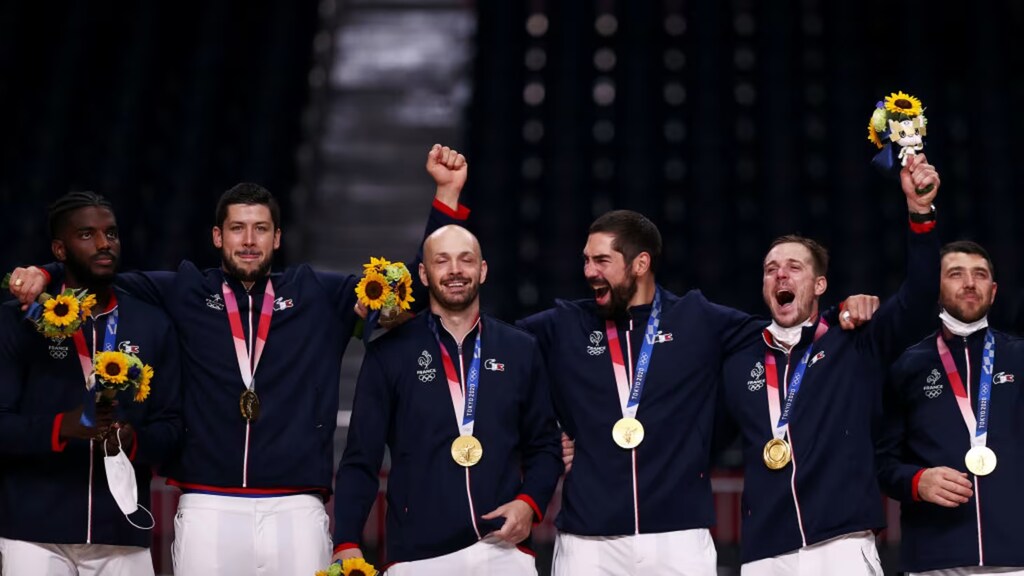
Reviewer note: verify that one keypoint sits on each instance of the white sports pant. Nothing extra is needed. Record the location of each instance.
(277, 536)
(971, 571)
(680, 553)
(848, 555)
(22, 558)
(488, 557)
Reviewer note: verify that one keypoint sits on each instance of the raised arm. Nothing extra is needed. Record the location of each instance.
(448, 169)
(908, 315)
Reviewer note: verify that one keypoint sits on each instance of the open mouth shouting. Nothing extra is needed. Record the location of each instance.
(602, 294)
(785, 301)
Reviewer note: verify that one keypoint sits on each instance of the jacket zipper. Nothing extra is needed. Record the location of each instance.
(792, 453)
(977, 479)
(245, 456)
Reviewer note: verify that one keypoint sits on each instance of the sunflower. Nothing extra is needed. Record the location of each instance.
(147, 375)
(111, 367)
(61, 311)
(87, 303)
(372, 290)
(357, 567)
(873, 136)
(901, 103)
(403, 290)
(378, 265)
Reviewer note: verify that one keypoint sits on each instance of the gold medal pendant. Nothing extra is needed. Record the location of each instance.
(628, 433)
(467, 451)
(776, 454)
(249, 405)
(980, 460)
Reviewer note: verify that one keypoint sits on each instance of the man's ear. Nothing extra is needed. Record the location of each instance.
(57, 247)
(820, 285)
(642, 264)
(218, 239)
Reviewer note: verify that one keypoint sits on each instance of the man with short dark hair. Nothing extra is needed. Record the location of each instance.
(463, 491)
(262, 354)
(61, 514)
(805, 398)
(950, 450)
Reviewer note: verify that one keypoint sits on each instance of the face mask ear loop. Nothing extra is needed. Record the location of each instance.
(152, 521)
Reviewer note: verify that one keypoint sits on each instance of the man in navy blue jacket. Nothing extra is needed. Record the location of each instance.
(952, 450)
(262, 354)
(58, 515)
(634, 372)
(462, 402)
(806, 395)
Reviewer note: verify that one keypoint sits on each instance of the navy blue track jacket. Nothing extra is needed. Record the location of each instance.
(676, 409)
(829, 489)
(924, 428)
(55, 491)
(289, 449)
(402, 400)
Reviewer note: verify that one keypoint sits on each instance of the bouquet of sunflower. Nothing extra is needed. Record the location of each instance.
(350, 567)
(58, 317)
(899, 118)
(385, 286)
(115, 371)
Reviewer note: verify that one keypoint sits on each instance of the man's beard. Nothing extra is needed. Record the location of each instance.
(618, 301)
(247, 276)
(83, 274)
(454, 304)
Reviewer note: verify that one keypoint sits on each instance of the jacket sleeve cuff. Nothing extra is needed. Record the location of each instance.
(461, 213)
(914, 495)
(55, 443)
(345, 546)
(922, 227)
(538, 515)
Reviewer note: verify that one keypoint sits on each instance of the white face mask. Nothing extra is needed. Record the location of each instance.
(122, 484)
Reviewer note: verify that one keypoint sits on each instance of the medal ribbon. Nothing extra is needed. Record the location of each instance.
(630, 395)
(978, 428)
(88, 417)
(85, 358)
(463, 404)
(780, 422)
(246, 365)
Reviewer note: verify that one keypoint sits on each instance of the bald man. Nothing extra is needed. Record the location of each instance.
(462, 402)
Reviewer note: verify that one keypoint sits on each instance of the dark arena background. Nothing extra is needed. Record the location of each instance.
(726, 122)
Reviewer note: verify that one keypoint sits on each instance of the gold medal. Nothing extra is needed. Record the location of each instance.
(776, 454)
(628, 433)
(249, 405)
(980, 460)
(467, 451)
